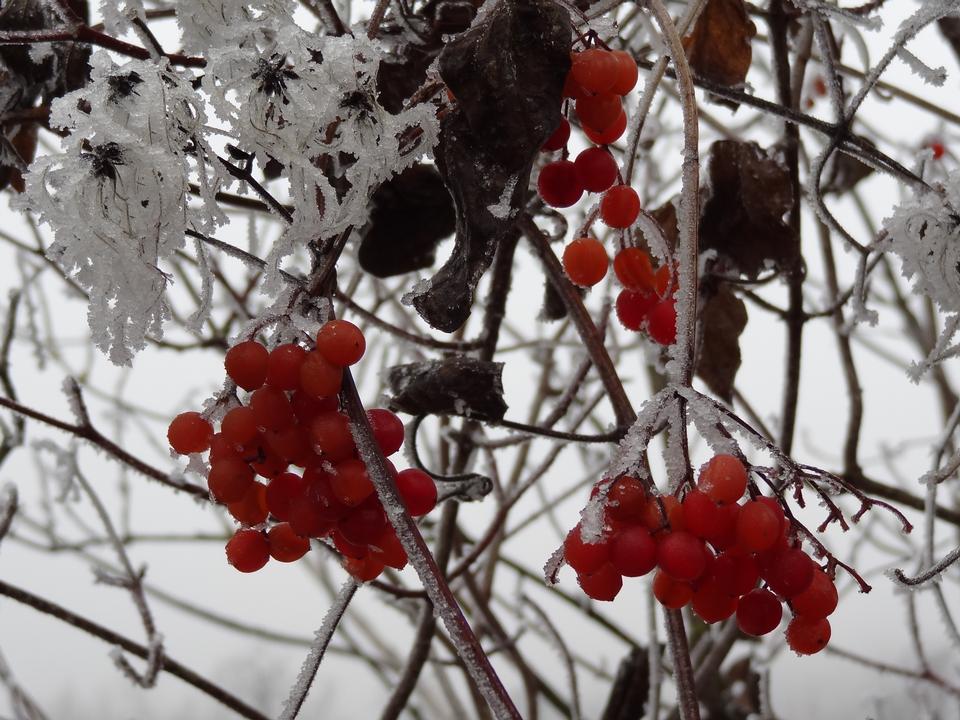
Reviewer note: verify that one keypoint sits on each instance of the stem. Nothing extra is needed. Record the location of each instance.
(462, 635)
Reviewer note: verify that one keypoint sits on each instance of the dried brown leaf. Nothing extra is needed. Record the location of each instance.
(746, 198)
(507, 74)
(723, 318)
(719, 46)
(458, 385)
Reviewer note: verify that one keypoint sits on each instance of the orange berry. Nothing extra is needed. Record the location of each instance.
(585, 261)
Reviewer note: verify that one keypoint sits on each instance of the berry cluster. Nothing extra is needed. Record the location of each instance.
(597, 81)
(292, 417)
(646, 302)
(710, 551)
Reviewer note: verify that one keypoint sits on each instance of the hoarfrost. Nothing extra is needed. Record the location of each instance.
(116, 196)
(503, 209)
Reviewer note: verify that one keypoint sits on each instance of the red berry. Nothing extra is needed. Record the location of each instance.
(599, 112)
(248, 550)
(341, 342)
(603, 584)
(620, 206)
(819, 599)
(331, 436)
(365, 569)
(626, 499)
(808, 636)
(365, 523)
(662, 281)
(634, 269)
(701, 515)
(633, 552)
(283, 366)
(306, 407)
(596, 169)
(682, 555)
(670, 517)
(559, 185)
(626, 72)
(671, 593)
(572, 89)
(777, 510)
(292, 444)
(246, 364)
(251, 509)
(271, 408)
(350, 482)
(758, 527)
(389, 550)
(938, 149)
(759, 612)
(417, 490)
(725, 535)
(723, 478)
(662, 322)
(611, 134)
(347, 548)
(387, 429)
(582, 556)
(559, 137)
(221, 448)
(189, 432)
(285, 544)
(229, 480)
(585, 262)
(790, 573)
(736, 574)
(239, 426)
(712, 604)
(320, 378)
(633, 307)
(283, 492)
(595, 70)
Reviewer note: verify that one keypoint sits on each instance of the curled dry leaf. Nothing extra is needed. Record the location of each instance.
(718, 48)
(507, 75)
(723, 318)
(746, 198)
(412, 212)
(457, 385)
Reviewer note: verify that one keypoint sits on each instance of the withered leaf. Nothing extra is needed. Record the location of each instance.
(844, 172)
(412, 212)
(747, 196)
(507, 74)
(719, 46)
(723, 318)
(457, 385)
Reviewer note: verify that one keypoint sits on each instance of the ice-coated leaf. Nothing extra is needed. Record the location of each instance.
(747, 196)
(507, 75)
(723, 318)
(412, 212)
(458, 385)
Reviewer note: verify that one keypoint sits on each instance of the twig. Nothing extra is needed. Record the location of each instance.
(298, 693)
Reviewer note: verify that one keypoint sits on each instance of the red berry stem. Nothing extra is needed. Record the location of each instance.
(434, 583)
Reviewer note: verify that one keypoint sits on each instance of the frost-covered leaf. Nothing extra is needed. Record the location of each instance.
(718, 48)
(411, 214)
(747, 196)
(924, 232)
(459, 385)
(209, 24)
(507, 74)
(723, 317)
(309, 103)
(116, 196)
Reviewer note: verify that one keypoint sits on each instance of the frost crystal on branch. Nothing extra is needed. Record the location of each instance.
(116, 196)
(924, 232)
